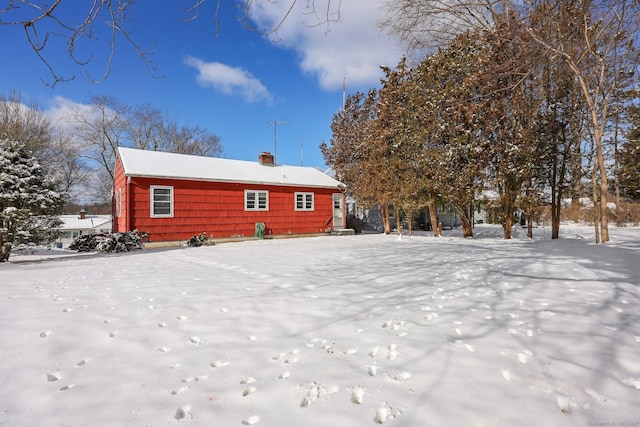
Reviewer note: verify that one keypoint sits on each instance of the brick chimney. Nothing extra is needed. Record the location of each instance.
(266, 158)
(83, 214)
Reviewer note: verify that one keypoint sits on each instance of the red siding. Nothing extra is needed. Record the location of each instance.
(218, 209)
(120, 212)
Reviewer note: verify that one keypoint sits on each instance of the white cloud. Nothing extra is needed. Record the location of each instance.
(61, 111)
(352, 48)
(230, 80)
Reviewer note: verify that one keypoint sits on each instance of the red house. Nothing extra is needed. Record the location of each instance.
(174, 197)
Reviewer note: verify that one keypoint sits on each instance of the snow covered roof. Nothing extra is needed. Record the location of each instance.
(156, 164)
(74, 222)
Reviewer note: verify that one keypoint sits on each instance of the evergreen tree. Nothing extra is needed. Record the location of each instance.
(629, 158)
(29, 203)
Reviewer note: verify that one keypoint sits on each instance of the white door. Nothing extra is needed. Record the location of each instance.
(338, 211)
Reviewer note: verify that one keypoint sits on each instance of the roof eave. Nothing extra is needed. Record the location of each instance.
(228, 181)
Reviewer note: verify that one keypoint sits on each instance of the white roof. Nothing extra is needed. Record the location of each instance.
(73, 222)
(156, 164)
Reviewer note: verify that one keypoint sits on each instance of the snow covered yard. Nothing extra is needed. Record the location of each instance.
(329, 331)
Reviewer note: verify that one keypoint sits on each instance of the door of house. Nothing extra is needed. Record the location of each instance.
(338, 211)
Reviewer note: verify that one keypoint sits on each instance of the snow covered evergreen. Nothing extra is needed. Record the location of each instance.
(29, 202)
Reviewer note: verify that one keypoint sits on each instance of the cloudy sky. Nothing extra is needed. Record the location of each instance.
(229, 80)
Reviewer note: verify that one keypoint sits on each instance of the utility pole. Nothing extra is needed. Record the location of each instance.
(275, 124)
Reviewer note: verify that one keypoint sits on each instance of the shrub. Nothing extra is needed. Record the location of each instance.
(200, 240)
(117, 242)
(354, 223)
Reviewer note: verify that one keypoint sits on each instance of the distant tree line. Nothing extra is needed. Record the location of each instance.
(528, 99)
(79, 151)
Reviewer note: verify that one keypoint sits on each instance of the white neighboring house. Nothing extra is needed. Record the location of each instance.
(81, 224)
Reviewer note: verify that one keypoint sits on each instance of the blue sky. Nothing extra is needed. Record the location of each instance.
(234, 83)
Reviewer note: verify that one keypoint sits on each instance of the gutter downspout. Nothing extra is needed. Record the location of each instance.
(127, 225)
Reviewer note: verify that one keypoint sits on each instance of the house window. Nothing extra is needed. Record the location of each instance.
(304, 201)
(256, 200)
(118, 203)
(161, 202)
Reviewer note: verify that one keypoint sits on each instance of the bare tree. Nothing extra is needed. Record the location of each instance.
(66, 165)
(145, 128)
(190, 139)
(24, 122)
(431, 24)
(596, 39)
(100, 129)
(54, 25)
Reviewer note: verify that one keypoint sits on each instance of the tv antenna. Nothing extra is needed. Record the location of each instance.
(275, 124)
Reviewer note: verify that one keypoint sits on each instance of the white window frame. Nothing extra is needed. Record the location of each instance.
(253, 201)
(153, 201)
(304, 202)
(118, 203)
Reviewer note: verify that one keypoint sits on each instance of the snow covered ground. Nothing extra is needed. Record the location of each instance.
(328, 331)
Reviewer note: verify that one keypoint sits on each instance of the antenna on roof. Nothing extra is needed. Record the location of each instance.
(275, 124)
(344, 88)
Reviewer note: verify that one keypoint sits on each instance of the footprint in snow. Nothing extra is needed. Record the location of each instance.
(564, 404)
(524, 356)
(248, 380)
(249, 390)
(397, 325)
(219, 364)
(179, 390)
(591, 392)
(45, 334)
(399, 376)
(357, 395)
(196, 340)
(53, 376)
(83, 362)
(183, 412)
(392, 352)
(633, 382)
(372, 370)
(383, 414)
(192, 379)
(253, 419)
(318, 391)
(292, 357)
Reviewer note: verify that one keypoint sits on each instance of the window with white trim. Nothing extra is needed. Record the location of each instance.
(304, 201)
(256, 200)
(161, 202)
(118, 203)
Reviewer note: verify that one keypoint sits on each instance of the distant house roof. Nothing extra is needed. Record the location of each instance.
(156, 164)
(90, 222)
